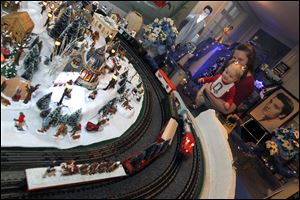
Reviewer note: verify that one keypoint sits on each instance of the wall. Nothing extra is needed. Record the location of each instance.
(291, 79)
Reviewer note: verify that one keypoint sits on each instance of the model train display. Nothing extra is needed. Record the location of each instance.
(71, 173)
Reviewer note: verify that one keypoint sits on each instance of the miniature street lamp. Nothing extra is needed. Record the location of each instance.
(66, 92)
(48, 19)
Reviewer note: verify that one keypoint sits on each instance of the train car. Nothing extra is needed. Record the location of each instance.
(187, 144)
(138, 162)
(188, 140)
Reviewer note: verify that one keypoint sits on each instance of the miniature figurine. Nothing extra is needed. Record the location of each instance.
(45, 125)
(69, 168)
(51, 171)
(30, 90)
(112, 167)
(17, 95)
(93, 94)
(5, 101)
(111, 83)
(93, 168)
(75, 133)
(127, 105)
(61, 131)
(20, 122)
(84, 169)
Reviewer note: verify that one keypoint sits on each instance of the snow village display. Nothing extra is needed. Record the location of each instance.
(61, 85)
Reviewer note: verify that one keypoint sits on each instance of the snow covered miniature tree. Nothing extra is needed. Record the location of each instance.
(45, 113)
(43, 103)
(9, 70)
(54, 116)
(28, 74)
(64, 119)
(32, 58)
(74, 118)
(61, 24)
(72, 32)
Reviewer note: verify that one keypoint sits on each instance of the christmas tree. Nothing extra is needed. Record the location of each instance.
(28, 74)
(9, 70)
(55, 116)
(32, 58)
(64, 119)
(43, 103)
(45, 113)
(74, 118)
(72, 32)
(61, 24)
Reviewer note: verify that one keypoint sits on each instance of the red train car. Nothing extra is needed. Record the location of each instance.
(187, 144)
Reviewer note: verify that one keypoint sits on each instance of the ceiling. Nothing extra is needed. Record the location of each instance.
(282, 16)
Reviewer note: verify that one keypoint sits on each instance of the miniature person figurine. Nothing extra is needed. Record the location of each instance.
(61, 131)
(45, 125)
(20, 122)
(30, 90)
(76, 132)
(93, 95)
(17, 95)
(50, 171)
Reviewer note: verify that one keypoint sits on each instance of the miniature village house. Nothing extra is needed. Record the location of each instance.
(18, 23)
(105, 26)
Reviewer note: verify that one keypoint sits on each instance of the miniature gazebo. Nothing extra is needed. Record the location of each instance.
(18, 23)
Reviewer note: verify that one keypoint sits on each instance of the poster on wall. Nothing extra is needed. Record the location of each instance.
(275, 110)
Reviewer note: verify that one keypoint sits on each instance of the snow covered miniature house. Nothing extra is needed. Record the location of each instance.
(105, 26)
(18, 23)
(92, 61)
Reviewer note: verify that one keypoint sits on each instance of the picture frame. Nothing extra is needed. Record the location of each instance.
(275, 110)
(280, 69)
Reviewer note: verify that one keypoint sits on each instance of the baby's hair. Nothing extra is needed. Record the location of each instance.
(241, 69)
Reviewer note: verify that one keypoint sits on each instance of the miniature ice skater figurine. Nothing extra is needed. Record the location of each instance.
(20, 122)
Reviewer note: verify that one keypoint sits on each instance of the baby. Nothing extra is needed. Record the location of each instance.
(223, 84)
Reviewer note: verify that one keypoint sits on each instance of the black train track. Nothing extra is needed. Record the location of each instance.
(15, 188)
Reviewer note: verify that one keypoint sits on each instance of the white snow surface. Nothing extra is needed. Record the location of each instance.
(118, 123)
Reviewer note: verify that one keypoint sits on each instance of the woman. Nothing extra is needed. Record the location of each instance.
(245, 55)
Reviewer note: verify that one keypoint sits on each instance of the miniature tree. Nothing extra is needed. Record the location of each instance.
(54, 116)
(28, 74)
(9, 70)
(61, 24)
(43, 103)
(32, 58)
(45, 113)
(74, 118)
(64, 119)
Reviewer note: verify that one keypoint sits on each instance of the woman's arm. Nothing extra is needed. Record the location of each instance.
(217, 103)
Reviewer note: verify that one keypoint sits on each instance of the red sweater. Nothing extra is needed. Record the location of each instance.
(227, 96)
(244, 89)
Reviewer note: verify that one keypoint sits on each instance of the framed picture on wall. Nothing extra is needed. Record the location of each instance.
(280, 69)
(275, 110)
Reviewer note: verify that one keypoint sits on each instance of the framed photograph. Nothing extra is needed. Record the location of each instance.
(275, 110)
(280, 69)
